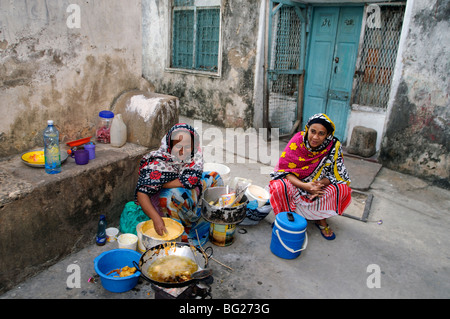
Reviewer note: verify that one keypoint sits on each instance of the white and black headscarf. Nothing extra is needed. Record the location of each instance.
(161, 166)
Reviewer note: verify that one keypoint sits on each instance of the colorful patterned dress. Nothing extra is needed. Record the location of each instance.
(182, 203)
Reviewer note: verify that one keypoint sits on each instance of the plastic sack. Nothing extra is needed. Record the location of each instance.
(255, 214)
(132, 215)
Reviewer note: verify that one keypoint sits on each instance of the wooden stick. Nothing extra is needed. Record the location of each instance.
(211, 257)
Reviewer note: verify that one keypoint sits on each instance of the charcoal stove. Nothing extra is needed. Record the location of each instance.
(198, 290)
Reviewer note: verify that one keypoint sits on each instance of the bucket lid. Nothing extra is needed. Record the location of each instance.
(294, 223)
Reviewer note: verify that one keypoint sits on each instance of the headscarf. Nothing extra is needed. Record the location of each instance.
(298, 156)
(160, 166)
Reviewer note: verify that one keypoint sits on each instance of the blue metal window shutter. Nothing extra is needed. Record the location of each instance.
(208, 30)
(183, 39)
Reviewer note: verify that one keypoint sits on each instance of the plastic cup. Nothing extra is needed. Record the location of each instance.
(81, 157)
(91, 149)
(111, 234)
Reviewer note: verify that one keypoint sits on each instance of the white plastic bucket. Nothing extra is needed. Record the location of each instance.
(127, 241)
(223, 170)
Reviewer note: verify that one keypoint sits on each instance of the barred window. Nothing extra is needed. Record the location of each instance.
(195, 35)
(378, 54)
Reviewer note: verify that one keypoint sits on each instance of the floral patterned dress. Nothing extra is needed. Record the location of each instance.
(182, 203)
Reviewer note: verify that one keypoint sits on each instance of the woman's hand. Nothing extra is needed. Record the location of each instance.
(173, 184)
(151, 212)
(160, 227)
(315, 188)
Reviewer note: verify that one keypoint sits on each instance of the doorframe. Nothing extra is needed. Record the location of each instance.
(308, 9)
(270, 12)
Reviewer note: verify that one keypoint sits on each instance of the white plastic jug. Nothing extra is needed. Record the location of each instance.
(118, 131)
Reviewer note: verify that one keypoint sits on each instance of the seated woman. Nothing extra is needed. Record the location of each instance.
(171, 181)
(310, 177)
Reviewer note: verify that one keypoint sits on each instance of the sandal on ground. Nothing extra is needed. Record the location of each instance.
(327, 230)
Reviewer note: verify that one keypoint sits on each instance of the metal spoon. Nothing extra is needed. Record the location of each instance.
(201, 274)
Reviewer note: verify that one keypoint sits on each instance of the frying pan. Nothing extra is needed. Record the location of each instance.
(173, 248)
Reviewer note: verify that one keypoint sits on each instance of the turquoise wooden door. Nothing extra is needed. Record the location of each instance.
(332, 54)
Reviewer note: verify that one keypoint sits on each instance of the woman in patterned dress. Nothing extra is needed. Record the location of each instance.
(171, 181)
(310, 177)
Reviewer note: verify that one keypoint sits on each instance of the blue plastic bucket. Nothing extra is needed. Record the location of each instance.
(115, 259)
(289, 236)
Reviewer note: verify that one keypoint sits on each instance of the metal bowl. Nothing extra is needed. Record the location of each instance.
(200, 257)
(149, 241)
(221, 215)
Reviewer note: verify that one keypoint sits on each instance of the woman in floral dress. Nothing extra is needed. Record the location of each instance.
(171, 182)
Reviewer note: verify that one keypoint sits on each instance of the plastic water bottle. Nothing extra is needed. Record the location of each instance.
(51, 149)
(101, 231)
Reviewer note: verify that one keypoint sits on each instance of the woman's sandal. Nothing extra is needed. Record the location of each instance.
(327, 230)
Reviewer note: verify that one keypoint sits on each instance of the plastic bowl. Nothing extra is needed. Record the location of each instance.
(117, 259)
(255, 192)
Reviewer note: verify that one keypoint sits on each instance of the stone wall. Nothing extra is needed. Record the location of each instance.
(223, 100)
(64, 60)
(417, 134)
(43, 218)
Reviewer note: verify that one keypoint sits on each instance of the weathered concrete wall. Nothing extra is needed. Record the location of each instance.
(53, 68)
(417, 136)
(225, 100)
(43, 218)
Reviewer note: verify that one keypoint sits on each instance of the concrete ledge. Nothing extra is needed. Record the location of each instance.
(44, 218)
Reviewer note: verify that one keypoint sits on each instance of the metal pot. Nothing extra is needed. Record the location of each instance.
(222, 215)
(179, 249)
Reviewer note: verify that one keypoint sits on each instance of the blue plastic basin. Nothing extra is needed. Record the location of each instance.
(115, 259)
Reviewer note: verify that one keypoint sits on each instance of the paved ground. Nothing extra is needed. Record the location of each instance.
(407, 256)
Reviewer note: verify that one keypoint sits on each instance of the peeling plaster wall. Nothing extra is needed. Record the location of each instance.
(417, 134)
(51, 71)
(225, 100)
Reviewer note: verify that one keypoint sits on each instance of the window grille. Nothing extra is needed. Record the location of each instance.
(195, 36)
(183, 39)
(285, 68)
(377, 58)
(208, 39)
